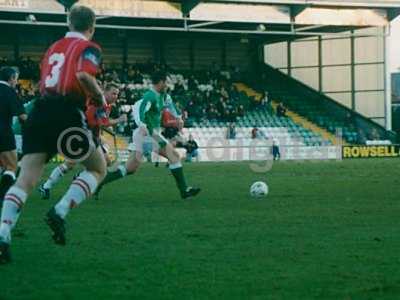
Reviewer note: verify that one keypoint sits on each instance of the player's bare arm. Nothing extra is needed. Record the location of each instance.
(91, 87)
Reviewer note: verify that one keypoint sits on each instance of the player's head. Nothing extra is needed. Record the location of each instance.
(159, 81)
(111, 92)
(82, 19)
(9, 75)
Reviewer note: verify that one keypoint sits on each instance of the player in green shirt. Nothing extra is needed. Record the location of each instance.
(17, 129)
(147, 114)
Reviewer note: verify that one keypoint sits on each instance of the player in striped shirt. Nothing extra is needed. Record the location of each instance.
(68, 72)
(97, 117)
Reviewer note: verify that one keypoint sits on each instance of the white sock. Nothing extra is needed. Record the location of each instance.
(14, 177)
(81, 188)
(55, 176)
(14, 200)
(175, 165)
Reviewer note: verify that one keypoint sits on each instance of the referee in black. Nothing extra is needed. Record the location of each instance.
(10, 106)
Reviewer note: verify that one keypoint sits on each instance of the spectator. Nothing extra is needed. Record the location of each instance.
(137, 77)
(266, 102)
(191, 149)
(240, 111)
(275, 150)
(361, 137)
(374, 135)
(231, 132)
(213, 114)
(192, 83)
(254, 133)
(280, 110)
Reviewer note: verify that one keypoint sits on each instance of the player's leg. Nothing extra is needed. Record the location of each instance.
(188, 156)
(129, 168)
(18, 142)
(131, 165)
(8, 160)
(147, 150)
(80, 189)
(106, 152)
(39, 143)
(55, 176)
(107, 159)
(157, 163)
(195, 154)
(176, 168)
(15, 198)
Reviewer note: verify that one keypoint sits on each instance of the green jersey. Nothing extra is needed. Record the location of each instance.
(16, 123)
(148, 110)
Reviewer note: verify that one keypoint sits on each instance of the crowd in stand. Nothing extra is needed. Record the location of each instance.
(28, 68)
(202, 95)
(205, 95)
(29, 73)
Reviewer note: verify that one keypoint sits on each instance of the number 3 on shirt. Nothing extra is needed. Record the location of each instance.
(56, 60)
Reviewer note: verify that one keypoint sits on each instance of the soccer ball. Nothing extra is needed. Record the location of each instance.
(259, 189)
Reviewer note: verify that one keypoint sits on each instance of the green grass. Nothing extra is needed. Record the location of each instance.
(327, 230)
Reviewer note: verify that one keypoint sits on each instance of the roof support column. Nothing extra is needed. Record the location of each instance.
(289, 58)
(387, 81)
(320, 78)
(352, 72)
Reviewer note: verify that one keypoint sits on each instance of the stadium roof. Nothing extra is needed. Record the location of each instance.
(252, 17)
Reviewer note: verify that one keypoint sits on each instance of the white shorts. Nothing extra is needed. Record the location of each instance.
(18, 143)
(146, 144)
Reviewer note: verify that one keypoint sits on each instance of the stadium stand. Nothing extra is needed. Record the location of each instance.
(210, 101)
(328, 116)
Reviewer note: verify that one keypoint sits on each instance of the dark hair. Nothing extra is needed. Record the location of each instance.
(81, 18)
(6, 73)
(111, 85)
(158, 76)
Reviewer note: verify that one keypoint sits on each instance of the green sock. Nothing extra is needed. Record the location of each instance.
(112, 176)
(179, 178)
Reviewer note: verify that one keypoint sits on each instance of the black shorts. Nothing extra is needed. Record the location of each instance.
(7, 142)
(54, 122)
(170, 132)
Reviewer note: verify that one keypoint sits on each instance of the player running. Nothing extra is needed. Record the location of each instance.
(97, 117)
(147, 115)
(10, 106)
(67, 78)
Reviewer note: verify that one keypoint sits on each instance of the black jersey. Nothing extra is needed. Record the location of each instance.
(9, 107)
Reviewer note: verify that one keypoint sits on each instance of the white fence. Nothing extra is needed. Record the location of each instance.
(265, 153)
(258, 153)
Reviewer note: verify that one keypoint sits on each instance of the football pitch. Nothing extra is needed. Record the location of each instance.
(327, 230)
